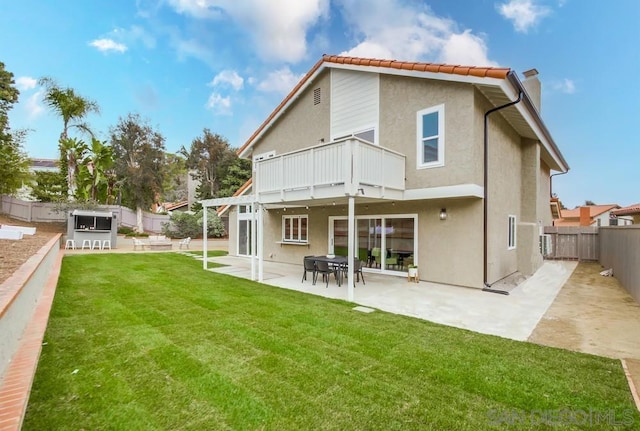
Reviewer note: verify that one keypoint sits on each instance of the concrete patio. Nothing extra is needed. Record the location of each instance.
(514, 316)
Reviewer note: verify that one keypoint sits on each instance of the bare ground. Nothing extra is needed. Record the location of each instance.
(13, 253)
(593, 314)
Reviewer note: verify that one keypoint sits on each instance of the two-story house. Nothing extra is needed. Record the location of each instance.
(400, 163)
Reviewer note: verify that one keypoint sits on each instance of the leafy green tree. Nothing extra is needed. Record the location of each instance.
(95, 172)
(237, 174)
(72, 108)
(8, 97)
(14, 164)
(209, 158)
(175, 181)
(49, 186)
(139, 159)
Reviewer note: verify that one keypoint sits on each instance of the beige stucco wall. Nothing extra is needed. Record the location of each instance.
(303, 125)
(544, 195)
(401, 98)
(504, 193)
(447, 250)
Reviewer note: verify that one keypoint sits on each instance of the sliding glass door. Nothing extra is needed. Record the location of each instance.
(383, 243)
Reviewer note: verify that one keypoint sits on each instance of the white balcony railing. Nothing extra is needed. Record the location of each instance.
(336, 169)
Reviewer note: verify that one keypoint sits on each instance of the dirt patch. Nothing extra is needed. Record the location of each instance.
(592, 314)
(13, 253)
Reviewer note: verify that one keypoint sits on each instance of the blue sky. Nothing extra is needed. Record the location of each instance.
(225, 64)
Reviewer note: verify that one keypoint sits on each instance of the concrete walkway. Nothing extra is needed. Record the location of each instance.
(514, 316)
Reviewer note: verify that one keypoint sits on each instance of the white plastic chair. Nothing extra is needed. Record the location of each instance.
(86, 243)
(106, 244)
(184, 242)
(97, 245)
(71, 244)
(137, 243)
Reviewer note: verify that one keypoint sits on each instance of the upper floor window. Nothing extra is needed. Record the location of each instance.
(430, 136)
(294, 228)
(512, 233)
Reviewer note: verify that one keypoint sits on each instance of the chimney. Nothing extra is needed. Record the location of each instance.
(532, 85)
(585, 216)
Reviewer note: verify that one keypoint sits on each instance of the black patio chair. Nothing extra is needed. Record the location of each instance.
(309, 266)
(357, 270)
(322, 267)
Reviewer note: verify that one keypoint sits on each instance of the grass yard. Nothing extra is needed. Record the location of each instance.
(153, 342)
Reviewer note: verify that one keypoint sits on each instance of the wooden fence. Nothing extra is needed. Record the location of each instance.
(573, 242)
(620, 251)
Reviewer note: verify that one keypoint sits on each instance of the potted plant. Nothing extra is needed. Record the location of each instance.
(413, 270)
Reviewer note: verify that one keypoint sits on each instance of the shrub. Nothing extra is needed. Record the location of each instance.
(215, 226)
(125, 230)
(184, 224)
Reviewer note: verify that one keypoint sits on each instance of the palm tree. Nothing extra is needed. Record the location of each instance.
(69, 105)
(72, 108)
(72, 152)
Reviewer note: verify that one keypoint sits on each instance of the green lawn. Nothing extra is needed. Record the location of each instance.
(153, 342)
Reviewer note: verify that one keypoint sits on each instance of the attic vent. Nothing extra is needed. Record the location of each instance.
(316, 96)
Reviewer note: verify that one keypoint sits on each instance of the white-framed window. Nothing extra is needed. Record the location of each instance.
(511, 243)
(430, 137)
(294, 228)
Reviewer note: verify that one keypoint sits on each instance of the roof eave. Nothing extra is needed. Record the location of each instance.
(530, 113)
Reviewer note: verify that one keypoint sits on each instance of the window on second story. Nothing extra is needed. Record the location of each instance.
(430, 137)
(294, 228)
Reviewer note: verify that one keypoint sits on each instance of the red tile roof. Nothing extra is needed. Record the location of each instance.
(480, 72)
(594, 211)
(630, 210)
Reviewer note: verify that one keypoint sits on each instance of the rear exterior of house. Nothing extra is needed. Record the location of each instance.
(403, 143)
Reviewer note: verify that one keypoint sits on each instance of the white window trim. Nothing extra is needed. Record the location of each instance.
(298, 240)
(512, 233)
(441, 138)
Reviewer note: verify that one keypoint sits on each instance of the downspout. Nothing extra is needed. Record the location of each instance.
(487, 286)
(551, 181)
(553, 222)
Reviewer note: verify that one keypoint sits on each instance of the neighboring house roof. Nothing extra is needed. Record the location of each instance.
(175, 205)
(500, 85)
(630, 210)
(241, 191)
(39, 164)
(594, 211)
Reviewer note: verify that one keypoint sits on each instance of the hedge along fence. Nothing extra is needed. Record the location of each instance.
(46, 212)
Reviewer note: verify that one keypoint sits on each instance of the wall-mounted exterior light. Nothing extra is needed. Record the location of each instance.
(443, 214)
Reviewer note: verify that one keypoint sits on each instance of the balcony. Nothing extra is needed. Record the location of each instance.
(347, 167)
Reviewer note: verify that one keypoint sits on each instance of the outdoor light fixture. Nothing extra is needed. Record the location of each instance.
(443, 214)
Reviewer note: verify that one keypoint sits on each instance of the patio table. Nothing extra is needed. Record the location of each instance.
(336, 261)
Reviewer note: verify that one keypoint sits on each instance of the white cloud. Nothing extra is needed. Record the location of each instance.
(395, 30)
(106, 45)
(566, 86)
(229, 77)
(280, 81)
(277, 28)
(219, 104)
(26, 83)
(524, 14)
(33, 104)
